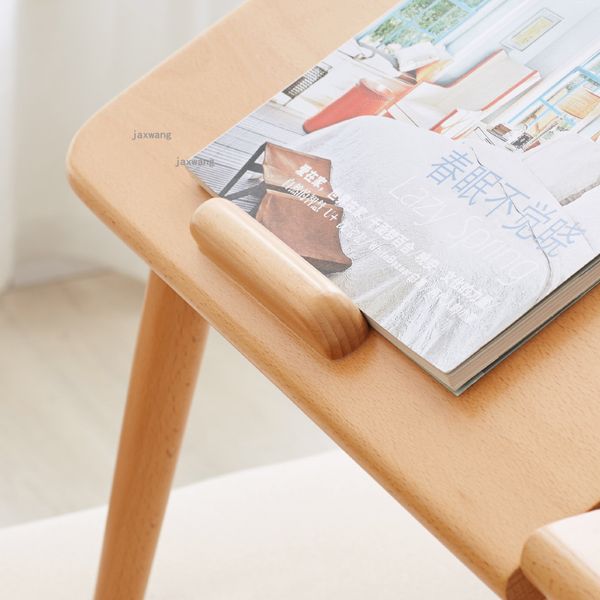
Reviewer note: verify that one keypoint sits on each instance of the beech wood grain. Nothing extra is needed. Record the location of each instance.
(169, 348)
(563, 558)
(302, 298)
(517, 451)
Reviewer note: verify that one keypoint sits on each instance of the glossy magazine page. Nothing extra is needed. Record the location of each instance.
(442, 167)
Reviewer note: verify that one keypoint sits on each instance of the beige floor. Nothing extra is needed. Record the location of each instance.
(65, 351)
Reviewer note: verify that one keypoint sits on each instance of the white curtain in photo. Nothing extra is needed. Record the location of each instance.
(6, 96)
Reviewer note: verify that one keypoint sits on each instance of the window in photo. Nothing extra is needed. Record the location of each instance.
(421, 21)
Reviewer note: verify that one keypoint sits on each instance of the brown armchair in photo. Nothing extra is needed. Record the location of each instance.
(302, 214)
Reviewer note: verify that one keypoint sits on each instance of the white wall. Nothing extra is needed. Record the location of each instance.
(472, 46)
(7, 13)
(70, 58)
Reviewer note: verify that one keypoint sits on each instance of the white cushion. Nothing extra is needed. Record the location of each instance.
(317, 528)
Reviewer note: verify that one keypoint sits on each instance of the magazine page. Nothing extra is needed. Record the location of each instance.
(442, 167)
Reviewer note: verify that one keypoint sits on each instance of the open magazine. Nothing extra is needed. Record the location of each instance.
(442, 168)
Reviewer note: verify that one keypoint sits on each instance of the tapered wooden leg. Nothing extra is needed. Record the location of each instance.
(169, 348)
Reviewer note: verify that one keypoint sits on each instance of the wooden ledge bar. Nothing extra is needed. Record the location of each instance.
(563, 559)
(283, 282)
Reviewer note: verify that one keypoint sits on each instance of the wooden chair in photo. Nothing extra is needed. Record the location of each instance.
(276, 164)
(281, 197)
(483, 472)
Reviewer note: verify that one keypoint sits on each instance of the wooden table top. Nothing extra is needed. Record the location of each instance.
(483, 471)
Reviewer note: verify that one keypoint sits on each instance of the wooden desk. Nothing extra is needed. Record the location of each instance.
(482, 472)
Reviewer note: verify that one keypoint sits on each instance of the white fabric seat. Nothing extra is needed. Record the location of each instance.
(316, 528)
